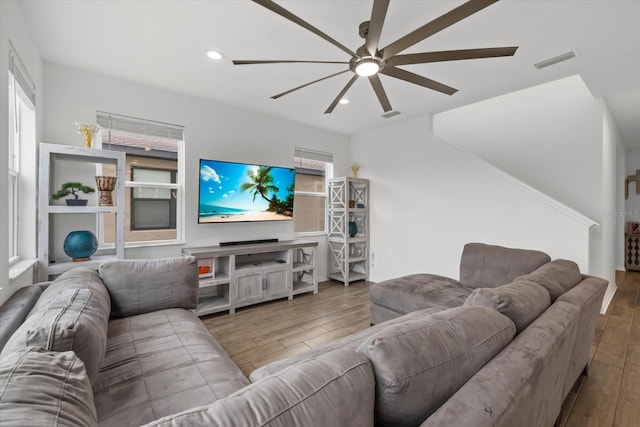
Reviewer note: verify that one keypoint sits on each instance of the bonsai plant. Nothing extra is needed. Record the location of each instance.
(73, 188)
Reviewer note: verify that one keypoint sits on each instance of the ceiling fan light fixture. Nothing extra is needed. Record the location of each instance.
(367, 67)
(344, 101)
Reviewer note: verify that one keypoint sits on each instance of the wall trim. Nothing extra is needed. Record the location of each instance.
(608, 296)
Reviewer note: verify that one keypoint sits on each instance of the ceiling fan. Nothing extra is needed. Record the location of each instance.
(370, 61)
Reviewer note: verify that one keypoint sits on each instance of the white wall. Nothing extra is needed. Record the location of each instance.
(549, 136)
(429, 198)
(14, 28)
(611, 141)
(621, 210)
(212, 131)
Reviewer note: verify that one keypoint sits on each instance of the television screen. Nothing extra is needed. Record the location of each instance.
(238, 192)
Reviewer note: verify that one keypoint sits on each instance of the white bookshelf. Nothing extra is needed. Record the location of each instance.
(348, 255)
(50, 155)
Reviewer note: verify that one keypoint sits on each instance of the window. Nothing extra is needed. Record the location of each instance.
(153, 208)
(313, 169)
(153, 194)
(22, 125)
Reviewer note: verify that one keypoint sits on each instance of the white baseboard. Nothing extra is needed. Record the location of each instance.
(608, 296)
(620, 268)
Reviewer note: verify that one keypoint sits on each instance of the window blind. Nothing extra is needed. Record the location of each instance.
(21, 76)
(141, 126)
(314, 155)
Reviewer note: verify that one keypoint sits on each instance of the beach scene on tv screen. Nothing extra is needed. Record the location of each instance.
(231, 192)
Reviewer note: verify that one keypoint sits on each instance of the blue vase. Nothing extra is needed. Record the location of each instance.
(353, 229)
(80, 245)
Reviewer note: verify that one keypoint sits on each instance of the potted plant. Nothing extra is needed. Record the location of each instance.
(73, 188)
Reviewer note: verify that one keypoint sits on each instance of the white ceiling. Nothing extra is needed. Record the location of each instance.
(163, 43)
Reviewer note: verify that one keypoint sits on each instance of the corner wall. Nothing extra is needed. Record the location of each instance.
(429, 198)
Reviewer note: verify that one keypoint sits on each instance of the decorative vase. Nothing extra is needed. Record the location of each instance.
(353, 229)
(87, 139)
(80, 245)
(355, 168)
(76, 202)
(106, 184)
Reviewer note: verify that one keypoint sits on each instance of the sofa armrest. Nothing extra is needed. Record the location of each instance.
(145, 285)
(17, 308)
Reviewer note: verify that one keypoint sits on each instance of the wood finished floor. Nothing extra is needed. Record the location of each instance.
(608, 396)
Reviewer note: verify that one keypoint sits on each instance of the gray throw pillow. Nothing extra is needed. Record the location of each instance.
(557, 277)
(420, 363)
(72, 314)
(522, 301)
(43, 388)
(146, 285)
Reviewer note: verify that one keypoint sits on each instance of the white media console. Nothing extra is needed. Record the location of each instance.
(241, 275)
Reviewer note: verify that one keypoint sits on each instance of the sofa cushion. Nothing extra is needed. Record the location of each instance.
(334, 389)
(142, 286)
(15, 310)
(351, 342)
(522, 301)
(488, 266)
(418, 291)
(43, 388)
(557, 277)
(160, 363)
(420, 363)
(71, 314)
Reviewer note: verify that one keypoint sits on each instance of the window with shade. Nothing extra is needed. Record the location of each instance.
(313, 169)
(154, 190)
(20, 151)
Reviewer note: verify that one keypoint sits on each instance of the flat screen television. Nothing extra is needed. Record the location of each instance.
(239, 192)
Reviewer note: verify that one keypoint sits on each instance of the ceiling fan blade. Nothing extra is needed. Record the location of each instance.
(291, 17)
(285, 61)
(307, 84)
(458, 14)
(341, 94)
(380, 93)
(375, 25)
(451, 55)
(418, 80)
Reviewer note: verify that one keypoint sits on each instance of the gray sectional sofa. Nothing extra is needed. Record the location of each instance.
(120, 346)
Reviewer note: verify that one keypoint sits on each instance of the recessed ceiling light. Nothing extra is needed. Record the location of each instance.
(344, 101)
(215, 55)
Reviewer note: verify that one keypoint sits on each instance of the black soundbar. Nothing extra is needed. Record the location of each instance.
(247, 242)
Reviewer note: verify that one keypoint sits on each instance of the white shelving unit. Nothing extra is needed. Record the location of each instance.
(348, 254)
(50, 154)
(242, 275)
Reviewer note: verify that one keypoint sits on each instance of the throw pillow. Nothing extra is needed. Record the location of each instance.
(522, 301)
(420, 363)
(43, 388)
(557, 277)
(71, 314)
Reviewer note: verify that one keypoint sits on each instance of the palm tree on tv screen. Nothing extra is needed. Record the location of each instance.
(261, 182)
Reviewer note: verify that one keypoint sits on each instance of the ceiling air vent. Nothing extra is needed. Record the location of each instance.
(555, 60)
(390, 114)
